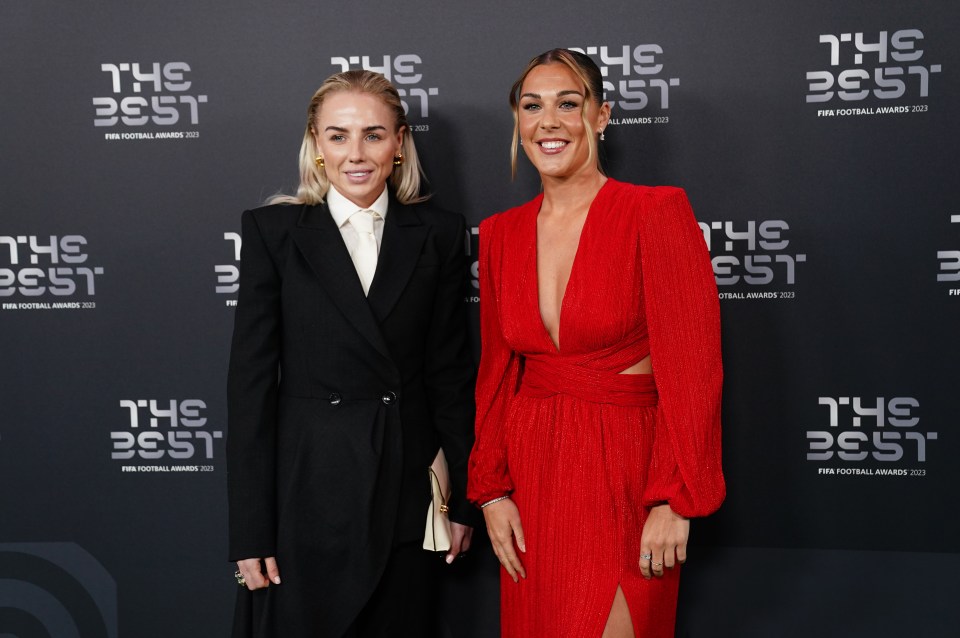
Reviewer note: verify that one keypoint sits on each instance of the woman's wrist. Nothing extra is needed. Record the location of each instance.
(495, 500)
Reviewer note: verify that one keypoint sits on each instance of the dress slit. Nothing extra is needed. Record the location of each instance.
(626, 604)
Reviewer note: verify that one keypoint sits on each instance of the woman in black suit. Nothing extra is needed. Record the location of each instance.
(349, 370)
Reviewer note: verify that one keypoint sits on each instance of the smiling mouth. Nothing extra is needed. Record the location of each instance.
(358, 174)
(552, 145)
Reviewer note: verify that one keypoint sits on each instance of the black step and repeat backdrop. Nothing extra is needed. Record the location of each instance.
(818, 142)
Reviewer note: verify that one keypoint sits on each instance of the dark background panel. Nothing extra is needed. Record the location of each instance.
(863, 204)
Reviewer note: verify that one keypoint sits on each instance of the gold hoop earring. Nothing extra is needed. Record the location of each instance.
(398, 160)
(319, 161)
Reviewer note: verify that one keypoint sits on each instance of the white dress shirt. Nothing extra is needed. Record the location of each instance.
(341, 209)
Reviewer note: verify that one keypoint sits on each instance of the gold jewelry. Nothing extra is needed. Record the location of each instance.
(656, 564)
(240, 580)
(319, 161)
(398, 160)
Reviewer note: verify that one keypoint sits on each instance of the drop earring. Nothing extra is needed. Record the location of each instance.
(398, 160)
(319, 161)
(602, 138)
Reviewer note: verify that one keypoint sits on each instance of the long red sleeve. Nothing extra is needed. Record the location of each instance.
(683, 318)
(497, 381)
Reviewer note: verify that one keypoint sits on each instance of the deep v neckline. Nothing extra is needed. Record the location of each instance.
(573, 268)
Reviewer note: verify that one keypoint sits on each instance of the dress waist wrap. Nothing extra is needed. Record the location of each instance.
(595, 378)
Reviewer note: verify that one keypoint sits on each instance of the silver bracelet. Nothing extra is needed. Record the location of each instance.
(496, 500)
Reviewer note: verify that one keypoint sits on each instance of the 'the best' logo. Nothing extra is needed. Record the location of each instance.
(403, 71)
(148, 94)
(164, 429)
(884, 66)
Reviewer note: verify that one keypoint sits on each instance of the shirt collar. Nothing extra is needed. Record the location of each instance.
(341, 208)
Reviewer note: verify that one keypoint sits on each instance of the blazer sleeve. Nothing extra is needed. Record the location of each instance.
(449, 372)
(252, 389)
(497, 379)
(683, 318)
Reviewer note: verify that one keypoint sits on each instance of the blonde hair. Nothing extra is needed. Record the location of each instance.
(586, 71)
(404, 180)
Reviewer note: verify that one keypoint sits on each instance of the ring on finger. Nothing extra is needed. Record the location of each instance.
(240, 580)
(657, 565)
(646, 556)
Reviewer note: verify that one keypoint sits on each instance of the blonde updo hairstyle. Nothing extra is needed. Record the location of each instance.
(588, 73)
(404, 180)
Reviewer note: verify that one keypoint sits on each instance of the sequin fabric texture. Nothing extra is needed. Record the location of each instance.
(583, 450)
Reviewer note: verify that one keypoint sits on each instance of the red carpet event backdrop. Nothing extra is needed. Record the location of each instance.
(818, 143)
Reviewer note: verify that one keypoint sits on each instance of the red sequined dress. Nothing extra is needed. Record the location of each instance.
(583, 450)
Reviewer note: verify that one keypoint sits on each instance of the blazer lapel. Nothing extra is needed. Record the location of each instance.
(403, 237)
(321, 244)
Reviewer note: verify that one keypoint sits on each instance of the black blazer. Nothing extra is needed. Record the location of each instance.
(337, 404)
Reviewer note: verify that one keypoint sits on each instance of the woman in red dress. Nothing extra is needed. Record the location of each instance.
(598, 398)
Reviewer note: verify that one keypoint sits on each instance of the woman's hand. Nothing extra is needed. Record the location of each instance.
(252, 575)
(663, 542)
(460, 536)
(503, 525)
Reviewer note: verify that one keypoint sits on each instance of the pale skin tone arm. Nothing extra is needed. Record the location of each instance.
(460, 537)
(503, 527)
(255, 578)
(664, 536)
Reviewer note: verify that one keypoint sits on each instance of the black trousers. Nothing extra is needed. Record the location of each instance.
(404, 604)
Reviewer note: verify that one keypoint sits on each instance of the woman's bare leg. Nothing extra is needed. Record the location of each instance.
(619, 624)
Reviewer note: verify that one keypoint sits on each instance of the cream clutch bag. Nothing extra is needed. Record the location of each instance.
(436, 537)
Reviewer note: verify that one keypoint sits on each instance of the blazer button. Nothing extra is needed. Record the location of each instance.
(334, 398)
(389, 398)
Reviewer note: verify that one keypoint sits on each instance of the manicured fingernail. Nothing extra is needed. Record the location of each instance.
(276, 580)
(449, 559)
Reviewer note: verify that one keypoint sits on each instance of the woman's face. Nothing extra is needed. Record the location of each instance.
(551, 128)
(357, 136)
